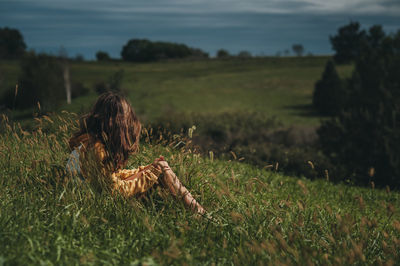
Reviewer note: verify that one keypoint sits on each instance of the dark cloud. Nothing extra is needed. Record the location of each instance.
(258, 26)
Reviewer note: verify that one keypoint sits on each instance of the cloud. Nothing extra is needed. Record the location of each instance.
(114, 7)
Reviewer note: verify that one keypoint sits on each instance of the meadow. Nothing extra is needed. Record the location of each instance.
(276, 87)
(258, 216)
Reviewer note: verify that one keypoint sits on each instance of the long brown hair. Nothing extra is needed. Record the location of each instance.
(113, 122)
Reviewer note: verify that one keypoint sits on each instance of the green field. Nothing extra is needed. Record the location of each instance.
(259, 217)
(280, 87)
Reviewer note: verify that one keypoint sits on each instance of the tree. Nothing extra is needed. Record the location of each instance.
(41, 80)
(329, 95)
(364, 138)
(222, 53)
(347, 42)
(102, 56)
(137, 50)
(298, 49)
(12, 44)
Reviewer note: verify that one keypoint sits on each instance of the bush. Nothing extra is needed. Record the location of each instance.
(102, 56)
(222, 53)
(329, 94)
(259, 140)
(41, 80)
(78, 89)
(7, 99)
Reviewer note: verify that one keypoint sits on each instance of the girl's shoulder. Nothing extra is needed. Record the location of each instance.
(87, 143)
(99, 150)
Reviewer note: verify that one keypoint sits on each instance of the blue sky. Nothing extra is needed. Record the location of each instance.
(262, 27)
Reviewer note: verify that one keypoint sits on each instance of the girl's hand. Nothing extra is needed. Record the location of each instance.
(164, 165)
(161, 158)
(160, 163)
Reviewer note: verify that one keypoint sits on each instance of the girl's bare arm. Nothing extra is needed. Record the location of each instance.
(178, 190)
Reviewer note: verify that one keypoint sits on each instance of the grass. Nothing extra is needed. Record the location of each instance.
(280, 87)
(262, 217)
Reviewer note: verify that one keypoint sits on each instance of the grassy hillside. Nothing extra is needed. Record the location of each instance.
(280, 87)
(260, 217)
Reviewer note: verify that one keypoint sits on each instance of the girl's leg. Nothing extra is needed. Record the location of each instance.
(174, 185)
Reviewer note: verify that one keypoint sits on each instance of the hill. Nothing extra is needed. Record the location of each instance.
(259, 216)
(280, 87)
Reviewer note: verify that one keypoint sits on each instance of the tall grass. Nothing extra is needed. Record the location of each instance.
(260, 217)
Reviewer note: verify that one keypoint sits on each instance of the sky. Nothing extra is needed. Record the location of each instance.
(262, 27)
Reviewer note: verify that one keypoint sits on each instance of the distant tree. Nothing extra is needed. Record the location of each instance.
(222, 53)
(347, 42)
(298, 49)
(329, 95)
(12, 44)
(41, 80)
(278, 54)
(375, 37)
(244, 54)
(363, 139)
(102, 56)
(137, 50)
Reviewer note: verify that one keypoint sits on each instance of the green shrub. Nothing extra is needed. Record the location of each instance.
(7, 99)
(252, 138)
(78, 89)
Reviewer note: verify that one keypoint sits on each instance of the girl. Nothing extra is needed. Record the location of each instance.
(108, 135)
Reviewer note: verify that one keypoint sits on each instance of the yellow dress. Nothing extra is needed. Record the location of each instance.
(94, 170)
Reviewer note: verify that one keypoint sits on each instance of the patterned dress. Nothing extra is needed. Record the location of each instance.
(88, 161)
